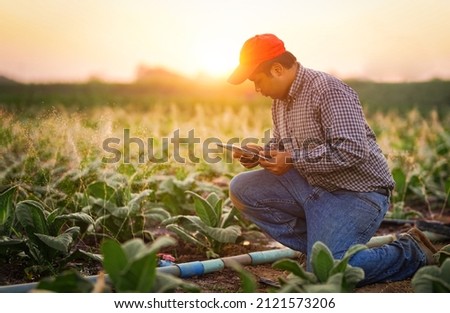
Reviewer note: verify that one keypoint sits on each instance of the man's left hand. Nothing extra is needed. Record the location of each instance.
(280, 161)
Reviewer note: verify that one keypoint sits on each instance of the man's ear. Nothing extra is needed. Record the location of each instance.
(277, 69)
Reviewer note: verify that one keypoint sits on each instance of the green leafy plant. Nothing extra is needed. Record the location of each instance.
(132, 267)
(434, 278)
(46, 238)
(70, 281)
(442, 254)
(210, 228)
(6, 211)
(400, 212)
(119, 213)
(171, 191)
(329, 275)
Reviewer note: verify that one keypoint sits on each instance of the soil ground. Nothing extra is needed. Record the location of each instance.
(227, 280)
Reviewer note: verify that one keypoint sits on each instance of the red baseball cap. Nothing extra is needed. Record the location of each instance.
(255, 51)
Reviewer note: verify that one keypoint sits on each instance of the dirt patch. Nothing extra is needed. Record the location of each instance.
(226, 280)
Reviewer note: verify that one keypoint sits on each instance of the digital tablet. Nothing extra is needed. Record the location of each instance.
(243, 150)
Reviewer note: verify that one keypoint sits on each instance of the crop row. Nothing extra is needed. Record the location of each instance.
(60, 200)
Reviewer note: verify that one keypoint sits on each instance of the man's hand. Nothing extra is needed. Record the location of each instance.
(280, 162)
(248, 160)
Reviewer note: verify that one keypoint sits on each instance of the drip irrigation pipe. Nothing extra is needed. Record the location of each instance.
(198, 268)
(190, 269)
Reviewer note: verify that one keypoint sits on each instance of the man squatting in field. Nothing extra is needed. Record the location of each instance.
(327, 179)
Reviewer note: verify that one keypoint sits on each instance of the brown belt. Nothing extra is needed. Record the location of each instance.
(383, 191)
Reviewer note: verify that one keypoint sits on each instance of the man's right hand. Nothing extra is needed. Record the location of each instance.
(247, 160)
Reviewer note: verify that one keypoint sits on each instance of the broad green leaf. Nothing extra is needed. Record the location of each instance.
(353, 250)
(139, 275)
(204, 210)
(120, 212)
(228, 218)
(132, 248)
(292, 285)
(53, 224)
(169, 283)
(127, 169)
(56, 221)
(101, 221)
(341, 265)
(73, 231)
(218, 208)
(114, 259)
(185, 235)
(447, 186)
(191, 223)
(68, 281)
(159, 243)
(224, 235)
(6, 204)
(336, 280)
(352, 276)
(136, 248)
(400, 183)
(423, 281)
(84, 255)
(295, 268)
(332, 285)
(445, 271)
(443, 255)
(430, 283)
(171, 220)
(439, 285)
(11, 246)
(157, 214)
(60, 243)
(322, 261)
(38, 253)
(214, 200)
(136, 200)
(173, 205)
(101, 204)
(30, 215)
(101, 190)
(78, 217)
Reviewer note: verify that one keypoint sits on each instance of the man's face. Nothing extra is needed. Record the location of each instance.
(272, 86)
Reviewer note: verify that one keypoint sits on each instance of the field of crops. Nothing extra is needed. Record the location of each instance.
(84, 164)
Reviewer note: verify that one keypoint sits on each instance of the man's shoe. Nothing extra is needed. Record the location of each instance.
(424, 243)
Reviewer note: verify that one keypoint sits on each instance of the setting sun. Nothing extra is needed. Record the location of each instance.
(215, 56)
(216, 64)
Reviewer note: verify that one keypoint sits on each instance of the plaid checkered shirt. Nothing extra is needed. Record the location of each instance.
(323, 125)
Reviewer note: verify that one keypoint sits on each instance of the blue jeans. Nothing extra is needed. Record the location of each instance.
(297, 215)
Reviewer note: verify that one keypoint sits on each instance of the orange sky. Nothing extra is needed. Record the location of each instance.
(54, 40)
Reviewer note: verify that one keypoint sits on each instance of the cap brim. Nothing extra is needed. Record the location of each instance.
(241, 73)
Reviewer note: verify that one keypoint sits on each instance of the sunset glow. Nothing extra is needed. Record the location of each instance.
(50, 40)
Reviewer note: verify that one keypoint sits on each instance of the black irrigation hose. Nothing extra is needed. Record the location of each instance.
(388, 221)
(434, 227)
